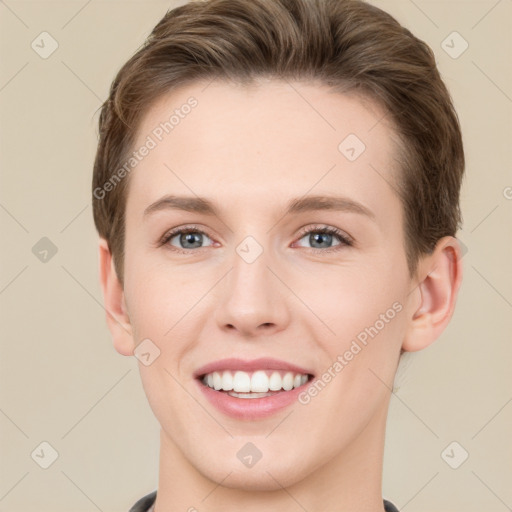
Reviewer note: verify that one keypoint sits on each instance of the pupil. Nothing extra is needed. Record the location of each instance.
(321, 235)
(189, 237)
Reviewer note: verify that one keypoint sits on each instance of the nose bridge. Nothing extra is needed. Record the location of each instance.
(250, 283)
(252, 297)
(250, 267)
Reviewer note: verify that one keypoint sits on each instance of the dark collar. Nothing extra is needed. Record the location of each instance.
(144, 503)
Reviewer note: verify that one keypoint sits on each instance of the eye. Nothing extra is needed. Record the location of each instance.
(187, 237)
(321, 238)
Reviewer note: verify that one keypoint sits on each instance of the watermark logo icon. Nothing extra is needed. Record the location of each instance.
(146, 352)
(463, 248)
(249, 455)
(44, 455)
(44, 250)
(352, 147)
(249, 249)
(44, 45)
(454, 45)
(454, 455)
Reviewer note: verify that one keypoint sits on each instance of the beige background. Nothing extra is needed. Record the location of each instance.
(63, 383)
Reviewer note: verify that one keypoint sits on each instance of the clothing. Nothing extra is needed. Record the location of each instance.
(145, 504)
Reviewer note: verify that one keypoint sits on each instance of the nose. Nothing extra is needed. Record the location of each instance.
(253, 298)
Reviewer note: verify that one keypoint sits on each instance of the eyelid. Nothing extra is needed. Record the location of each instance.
(344, 236)
(171, 233)
(345, 239)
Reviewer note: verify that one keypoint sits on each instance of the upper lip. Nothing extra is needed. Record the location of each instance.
(264, 363)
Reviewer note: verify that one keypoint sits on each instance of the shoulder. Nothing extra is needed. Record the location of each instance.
(144, 503)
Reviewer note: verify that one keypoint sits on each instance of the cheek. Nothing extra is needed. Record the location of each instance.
(365, 314)
(153, 294)
(350, 299)
(360, 360)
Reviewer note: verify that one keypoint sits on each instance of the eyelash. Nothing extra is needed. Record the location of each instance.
(345, 241)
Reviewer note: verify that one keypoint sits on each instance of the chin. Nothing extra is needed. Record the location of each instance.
(257, 480)
(270, 475)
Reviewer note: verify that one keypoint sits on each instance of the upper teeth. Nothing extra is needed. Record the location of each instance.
(260, 381)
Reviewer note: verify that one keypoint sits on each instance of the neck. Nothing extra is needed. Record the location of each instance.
(350, 480)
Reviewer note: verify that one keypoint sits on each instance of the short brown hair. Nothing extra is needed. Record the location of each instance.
(348, 45)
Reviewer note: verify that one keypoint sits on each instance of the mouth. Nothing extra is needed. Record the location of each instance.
(250, 390)
(254, 384)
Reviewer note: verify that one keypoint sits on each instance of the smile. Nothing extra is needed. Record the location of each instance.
(257, 384)
(252, 389)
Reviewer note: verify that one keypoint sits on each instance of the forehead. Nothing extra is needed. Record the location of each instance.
(254, 144)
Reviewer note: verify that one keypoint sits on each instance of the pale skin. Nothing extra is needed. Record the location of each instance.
(250, 152)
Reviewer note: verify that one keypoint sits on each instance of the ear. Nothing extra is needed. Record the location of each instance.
(118, 320)
(435, 295)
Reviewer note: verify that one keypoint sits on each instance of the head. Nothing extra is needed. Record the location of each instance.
(274, 102)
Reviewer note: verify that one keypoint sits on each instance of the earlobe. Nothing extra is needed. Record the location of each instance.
(117, 317)
(440, 279)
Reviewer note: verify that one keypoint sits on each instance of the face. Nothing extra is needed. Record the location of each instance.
(255, 275)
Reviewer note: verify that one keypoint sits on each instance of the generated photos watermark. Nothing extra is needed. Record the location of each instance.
(151, 142)
(357, 345)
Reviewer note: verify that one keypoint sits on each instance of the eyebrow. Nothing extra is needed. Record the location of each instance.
(203, 206)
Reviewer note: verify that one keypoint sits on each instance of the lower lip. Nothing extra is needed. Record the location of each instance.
(251, 408)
